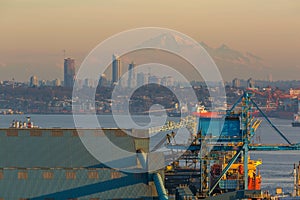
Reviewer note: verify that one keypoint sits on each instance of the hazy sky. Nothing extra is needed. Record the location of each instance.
(35, 32)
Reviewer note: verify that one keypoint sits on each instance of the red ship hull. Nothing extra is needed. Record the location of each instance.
(207, 114)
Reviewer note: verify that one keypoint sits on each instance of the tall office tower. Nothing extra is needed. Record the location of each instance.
(236, 83)
(141, 79)
(33, 81)
(131, 75)
(116, 69)
(250, 83)
(69, 72)
(103, 82)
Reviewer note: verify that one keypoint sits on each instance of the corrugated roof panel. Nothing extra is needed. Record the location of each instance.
(35, 186)
(53, 164)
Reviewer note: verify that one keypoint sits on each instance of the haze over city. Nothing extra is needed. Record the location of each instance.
(34, 33)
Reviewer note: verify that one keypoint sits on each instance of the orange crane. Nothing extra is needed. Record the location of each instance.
(266, 93)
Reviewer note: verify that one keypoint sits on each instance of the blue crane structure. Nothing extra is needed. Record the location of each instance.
(232, 136)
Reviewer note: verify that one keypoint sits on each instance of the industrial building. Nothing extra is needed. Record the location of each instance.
(41, 164)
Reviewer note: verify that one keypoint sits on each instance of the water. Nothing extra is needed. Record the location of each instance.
(67, 121)
(277, 166)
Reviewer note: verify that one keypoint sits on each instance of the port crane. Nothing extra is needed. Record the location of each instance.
(269, 97)
(237, 145)
(275, 98)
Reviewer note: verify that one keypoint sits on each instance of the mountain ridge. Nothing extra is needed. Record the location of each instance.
(231, 62)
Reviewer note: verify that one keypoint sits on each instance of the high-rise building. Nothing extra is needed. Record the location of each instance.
(33, 82)
(250, 83)
(103, 82)
(69, 72)
(236, 83)
(116, 69)
(131, 75)
(141, 79)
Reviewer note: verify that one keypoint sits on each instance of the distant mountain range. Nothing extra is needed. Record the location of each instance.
(232, 63)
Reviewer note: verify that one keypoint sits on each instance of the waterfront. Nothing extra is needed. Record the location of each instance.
(277, 166)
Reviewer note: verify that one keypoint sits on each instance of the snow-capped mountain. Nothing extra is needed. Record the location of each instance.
(232, 63)
(169, 40)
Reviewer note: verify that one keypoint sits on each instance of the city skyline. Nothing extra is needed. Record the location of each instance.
(130, 77)
(268, 29)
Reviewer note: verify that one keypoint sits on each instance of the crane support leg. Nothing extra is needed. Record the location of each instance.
(225, 171)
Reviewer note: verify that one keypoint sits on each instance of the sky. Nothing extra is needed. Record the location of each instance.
(34, 33)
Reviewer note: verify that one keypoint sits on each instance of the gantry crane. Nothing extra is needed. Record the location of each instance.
(236, 146)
